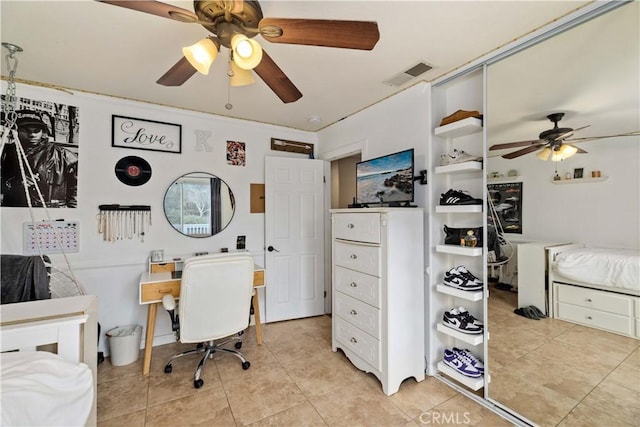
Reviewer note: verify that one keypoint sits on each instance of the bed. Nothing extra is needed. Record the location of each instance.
(597, 287)
(48, 365)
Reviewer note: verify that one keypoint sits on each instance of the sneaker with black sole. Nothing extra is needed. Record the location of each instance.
(461, 322)
(458, 198)
(473, 360)
(460, 364)
(457, 156)
(460, 281)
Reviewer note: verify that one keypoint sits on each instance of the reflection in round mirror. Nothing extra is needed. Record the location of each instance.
(199, 204)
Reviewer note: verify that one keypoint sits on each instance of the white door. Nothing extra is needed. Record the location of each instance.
(294, 238)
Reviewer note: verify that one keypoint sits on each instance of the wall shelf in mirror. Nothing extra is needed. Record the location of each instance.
(467, 295)
(580, 180)
(516, 178)
(460, 128)
(472, 383)
(460, 167)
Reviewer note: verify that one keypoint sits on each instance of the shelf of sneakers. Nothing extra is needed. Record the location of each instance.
(458, 293)
(473, 383)
(459, 250)
(473, 339)
(462, 167)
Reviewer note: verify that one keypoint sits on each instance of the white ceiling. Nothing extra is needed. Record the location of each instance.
(94, 47)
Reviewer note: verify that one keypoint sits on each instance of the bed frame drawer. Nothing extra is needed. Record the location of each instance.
(599, 300)
(597, 319)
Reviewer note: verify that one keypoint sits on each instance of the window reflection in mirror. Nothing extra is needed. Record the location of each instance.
(199, 204)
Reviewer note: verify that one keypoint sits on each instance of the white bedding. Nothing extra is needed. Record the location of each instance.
(615, 268)
(42, 389)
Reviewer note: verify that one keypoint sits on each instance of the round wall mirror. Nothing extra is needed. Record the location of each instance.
(199, 204)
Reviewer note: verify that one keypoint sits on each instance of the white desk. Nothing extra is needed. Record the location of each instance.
(162, 279)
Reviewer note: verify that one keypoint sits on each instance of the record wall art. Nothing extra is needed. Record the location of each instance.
(133, 170)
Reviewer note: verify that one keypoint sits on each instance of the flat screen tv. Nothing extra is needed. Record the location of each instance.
(386, 179)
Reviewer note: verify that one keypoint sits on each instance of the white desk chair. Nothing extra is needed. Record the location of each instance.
(215, 301)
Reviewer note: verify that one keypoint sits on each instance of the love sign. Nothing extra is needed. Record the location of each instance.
(129, 132)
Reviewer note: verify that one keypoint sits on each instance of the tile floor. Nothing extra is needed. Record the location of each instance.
(553, 372)
(559, 373)
(294, 380)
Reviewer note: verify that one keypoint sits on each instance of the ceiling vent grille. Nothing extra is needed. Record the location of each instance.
(411, 73)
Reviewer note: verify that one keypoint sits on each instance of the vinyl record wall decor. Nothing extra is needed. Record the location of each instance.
(133, 170)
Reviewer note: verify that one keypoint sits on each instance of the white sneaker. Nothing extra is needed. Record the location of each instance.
(457, 156)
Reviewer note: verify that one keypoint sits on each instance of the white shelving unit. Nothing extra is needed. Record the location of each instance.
(465, 93)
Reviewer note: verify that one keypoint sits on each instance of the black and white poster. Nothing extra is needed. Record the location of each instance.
(507, 203)
(40, 159)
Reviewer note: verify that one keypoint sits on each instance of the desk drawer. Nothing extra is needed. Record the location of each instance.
(359, 342)
(358, 285)
(154, 292)
(358, 314)
(360, 227)
(165, 267)
(594, 299)
(359, 257)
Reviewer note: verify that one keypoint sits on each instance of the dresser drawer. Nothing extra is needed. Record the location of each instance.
(165, 267)
(359, 257)
(358, 341)
(598, 300)
(598, 319)
(358, 314)
(358, 227)
(153, 292)
(358, 285)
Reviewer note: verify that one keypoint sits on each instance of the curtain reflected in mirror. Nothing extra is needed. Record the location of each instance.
(199, 204)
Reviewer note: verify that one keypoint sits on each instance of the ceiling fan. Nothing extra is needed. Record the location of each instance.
(234, 23)
(556, 143)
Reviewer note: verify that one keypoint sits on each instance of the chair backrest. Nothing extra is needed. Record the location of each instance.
(215, 296)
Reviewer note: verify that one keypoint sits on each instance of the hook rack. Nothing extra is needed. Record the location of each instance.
(119, 222)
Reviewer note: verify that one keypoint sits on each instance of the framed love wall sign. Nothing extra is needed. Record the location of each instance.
(140, 134)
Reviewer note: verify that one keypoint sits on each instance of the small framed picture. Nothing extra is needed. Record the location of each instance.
(577, 173)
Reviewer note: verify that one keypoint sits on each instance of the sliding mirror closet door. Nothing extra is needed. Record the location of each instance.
(549, 370)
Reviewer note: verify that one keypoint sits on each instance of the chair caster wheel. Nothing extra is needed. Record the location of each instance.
(238, 345)
(245, 365)
(198, 383)
(168, 369)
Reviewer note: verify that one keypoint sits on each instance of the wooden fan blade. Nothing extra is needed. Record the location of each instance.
(275, 78)
(156, 8)
(535, 142)
(522, 152)
(320, 32)
(178, 74)
(593, 138)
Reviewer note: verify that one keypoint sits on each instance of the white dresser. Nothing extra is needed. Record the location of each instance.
(378, 291)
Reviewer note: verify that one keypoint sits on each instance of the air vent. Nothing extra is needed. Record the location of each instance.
(413, 72)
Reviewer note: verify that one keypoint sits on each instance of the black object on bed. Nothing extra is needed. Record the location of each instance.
(23, 278)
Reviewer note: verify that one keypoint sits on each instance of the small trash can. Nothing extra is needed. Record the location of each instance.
(124, 342)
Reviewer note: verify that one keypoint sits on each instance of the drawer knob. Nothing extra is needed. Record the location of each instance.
(353, 312)
(589, 300)
(354, 340)
(350, 226)
(165, 291)
(353, 284)
(353, 256)
(589, 317)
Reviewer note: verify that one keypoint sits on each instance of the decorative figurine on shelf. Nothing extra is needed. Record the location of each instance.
(556, 177)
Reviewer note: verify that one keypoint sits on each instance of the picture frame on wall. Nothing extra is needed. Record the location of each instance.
(507, 202)
(578, 173)
(142, 134)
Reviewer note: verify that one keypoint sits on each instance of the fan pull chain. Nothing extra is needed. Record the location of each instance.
(228, 105)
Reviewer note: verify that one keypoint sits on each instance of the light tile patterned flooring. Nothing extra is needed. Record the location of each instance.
(550, 371)
(559, 373)
(294, 380)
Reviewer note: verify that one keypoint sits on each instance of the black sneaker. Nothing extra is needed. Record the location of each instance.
(462, 281)
(455, 197)
(461, 322)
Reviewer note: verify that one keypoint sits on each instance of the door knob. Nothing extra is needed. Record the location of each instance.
(271, 249)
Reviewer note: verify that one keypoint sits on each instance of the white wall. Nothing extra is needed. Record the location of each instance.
(111, 269)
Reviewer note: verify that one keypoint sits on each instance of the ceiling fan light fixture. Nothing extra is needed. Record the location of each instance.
(247, 53)
(202, 54)
(544, 153)
(240, 77)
